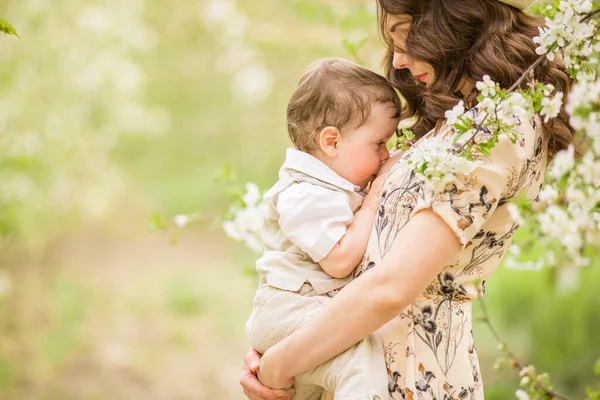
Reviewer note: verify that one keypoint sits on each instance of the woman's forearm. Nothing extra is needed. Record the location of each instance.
(420, 251)
(347, 319)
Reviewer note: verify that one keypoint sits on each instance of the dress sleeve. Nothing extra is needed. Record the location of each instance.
(314, 218)
(469, 201)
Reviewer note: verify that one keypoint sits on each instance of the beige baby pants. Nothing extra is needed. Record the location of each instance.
(357, 373)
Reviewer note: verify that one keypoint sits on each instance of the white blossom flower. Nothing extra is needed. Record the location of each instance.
(453, 115)
(218, 11)
(566, 32)
(514, 249)
(548, 89)
(521, 395)
(528, 370)
(568, 278)
(549, 193)
(487, 87)
(253, 84)
(574, 194)
(246, 225)
(515, 214)
(563, 162)
(252, 196)
(231, 230)
(572, 242)
(515, 105)
(436, 165)
(589, 170)
(551, 107)
(487, 105)
(181, 220)
(254, 243)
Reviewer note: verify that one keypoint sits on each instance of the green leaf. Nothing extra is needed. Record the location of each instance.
(349, 46)
(361, 42)
(249, 271)
(354, 46)
(485, 152)
(156, 223)
(597, 368)
(463, 125)
(7, 28)
(591, 394)
(408, 134)
(225, 174)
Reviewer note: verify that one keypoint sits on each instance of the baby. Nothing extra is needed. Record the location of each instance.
(318, 219)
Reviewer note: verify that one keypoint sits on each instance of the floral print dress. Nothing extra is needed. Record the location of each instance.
(429, 349)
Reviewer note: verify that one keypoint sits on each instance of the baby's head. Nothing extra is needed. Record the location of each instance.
(343, 114)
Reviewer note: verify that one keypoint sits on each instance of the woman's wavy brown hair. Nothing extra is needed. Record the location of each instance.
(469, 38)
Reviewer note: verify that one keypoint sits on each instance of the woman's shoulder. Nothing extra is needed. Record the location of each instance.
(521, 139)
(521, 132)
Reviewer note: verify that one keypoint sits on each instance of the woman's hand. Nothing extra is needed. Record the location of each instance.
(271, 375)
(253, 388)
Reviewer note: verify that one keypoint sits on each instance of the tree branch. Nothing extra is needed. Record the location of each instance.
(515, 362)
(590, 14)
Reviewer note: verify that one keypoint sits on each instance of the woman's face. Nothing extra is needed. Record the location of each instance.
(398, 27)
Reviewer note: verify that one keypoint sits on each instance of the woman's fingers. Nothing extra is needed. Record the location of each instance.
(252, 360)
(255, 390)
(252, 396)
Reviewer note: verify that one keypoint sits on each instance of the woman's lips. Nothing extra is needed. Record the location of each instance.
(421, 77)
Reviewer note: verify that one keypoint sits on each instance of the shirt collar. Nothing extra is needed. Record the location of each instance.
(299, 161)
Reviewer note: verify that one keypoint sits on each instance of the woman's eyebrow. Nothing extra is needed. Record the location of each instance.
(397, 24)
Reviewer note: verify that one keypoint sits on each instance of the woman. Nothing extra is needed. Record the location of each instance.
(430, 255)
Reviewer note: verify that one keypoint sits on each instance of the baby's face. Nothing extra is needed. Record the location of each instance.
(362, 151)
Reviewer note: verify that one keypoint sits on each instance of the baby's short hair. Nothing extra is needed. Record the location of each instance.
(334, 92)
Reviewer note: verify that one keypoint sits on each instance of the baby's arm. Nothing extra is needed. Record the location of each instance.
(320, 221)
(349, 250)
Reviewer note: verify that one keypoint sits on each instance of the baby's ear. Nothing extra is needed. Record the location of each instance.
(329, 140)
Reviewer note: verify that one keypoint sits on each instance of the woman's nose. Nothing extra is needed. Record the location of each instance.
(401, 60)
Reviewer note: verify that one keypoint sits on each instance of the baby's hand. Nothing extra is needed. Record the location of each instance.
(372, 198)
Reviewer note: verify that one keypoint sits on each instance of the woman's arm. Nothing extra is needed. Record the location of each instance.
(253, 388)
(420, 251)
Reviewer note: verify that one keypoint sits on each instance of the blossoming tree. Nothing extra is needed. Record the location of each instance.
(565, 221)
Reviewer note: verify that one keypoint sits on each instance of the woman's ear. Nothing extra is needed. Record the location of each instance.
(329, 140)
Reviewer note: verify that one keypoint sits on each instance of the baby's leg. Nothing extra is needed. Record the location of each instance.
(276, 314)
(357, 373)
(307, 391)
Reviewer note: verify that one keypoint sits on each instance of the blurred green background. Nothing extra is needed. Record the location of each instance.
(112, 110)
